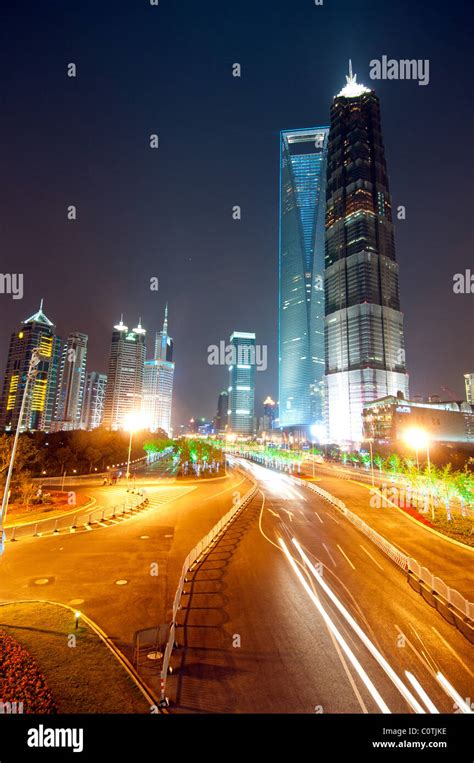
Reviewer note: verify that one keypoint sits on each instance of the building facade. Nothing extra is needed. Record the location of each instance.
(389, 419)
(242, 383)
(221, 418)
(94, 399)
(158, 383)
(301, 365)
(469, 384)
(37, 331)
(365, 354)
(71, 383)
(124, 392)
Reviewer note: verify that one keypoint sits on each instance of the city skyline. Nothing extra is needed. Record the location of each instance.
(156, 222)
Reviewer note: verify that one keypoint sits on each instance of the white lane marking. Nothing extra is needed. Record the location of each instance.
(87, 527)
(319, 517)
(273, 512)
(345, 555)
(330, 555)
(345, 647)
(369, 554)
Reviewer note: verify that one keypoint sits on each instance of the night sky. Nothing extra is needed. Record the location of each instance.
(168, 212)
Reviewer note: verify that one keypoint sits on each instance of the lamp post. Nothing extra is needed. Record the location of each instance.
(417, 438)
(371, 460)
(133, 422)
(35, 359)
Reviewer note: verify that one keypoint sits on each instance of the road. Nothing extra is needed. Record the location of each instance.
(445, 559)
(86, 568)
(254, 641)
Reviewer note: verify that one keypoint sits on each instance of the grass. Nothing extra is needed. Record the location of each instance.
(34, 512)
(86, 678)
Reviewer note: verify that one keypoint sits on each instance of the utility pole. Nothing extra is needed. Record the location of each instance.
(32, 372)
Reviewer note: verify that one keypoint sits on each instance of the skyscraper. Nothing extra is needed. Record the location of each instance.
(37, 331)
(303, 155)
(124, 392)
(94, 398)
(221, 417)
(469, 384)
(71, 381)
(158, 382)
(242, 383)
(365, 356)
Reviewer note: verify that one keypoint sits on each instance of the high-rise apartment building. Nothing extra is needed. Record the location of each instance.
(303, 156)
(158, 382)
(124, 392)
(37, 331)
(71, 382)
(94, 399)
(365, 355)
(242, 383)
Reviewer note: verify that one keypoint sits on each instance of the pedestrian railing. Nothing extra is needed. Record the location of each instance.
(132, 502)
(191, 560)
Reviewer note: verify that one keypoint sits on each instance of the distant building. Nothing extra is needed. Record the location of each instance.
(94, 398)
(242, 383)
(158, 382)
(269, 418)
(469, 383)
(365, 353)
(37, 331)
(71, 382)
(303, 158)
(124, 393)
(386, 420)
(222, 416)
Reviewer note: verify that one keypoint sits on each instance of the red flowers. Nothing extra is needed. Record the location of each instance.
(21, 680)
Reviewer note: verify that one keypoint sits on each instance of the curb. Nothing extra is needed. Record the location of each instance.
(138, 681)
(87, 505)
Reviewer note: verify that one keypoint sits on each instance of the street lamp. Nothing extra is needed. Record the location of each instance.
(418, 438)
(35, 359)
(133, 423)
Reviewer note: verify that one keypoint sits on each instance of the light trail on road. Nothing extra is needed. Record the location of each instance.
(380, 702)
(407, 695)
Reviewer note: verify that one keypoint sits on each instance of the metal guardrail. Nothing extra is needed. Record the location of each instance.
(192, 558)
(406, 563)
(71, 521)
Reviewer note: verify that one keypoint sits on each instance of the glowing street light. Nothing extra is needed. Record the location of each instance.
(133, 422)
(418, 439)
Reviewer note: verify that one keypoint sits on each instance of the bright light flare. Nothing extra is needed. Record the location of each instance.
(416, 438)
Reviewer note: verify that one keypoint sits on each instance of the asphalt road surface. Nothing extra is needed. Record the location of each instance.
(254, 640)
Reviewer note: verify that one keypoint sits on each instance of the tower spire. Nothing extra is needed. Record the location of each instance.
(165, 322)
(41, 305)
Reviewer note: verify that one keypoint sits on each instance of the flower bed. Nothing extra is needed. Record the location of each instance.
(21, 680)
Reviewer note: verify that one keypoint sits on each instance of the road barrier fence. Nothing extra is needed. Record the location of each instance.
(193, 558)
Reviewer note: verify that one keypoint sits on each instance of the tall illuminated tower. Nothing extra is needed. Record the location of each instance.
(158, 382)
(124, 391)
(365, 355)
(242, 383)
(37, 331)
(71, 383)
(303, 156)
